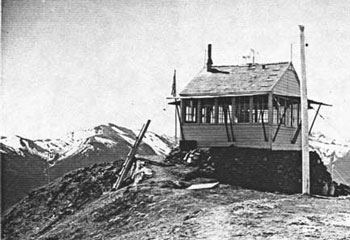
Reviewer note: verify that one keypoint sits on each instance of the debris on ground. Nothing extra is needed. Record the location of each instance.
(203, 186)
(140, 172)
(81, 205)
(276, 171)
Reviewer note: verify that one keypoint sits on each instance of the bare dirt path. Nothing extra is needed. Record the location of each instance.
(234, 213)
(291, 217)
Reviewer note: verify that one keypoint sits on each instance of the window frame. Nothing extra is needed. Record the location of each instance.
(190, 110)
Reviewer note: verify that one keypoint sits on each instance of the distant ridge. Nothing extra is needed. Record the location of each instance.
(27, 164)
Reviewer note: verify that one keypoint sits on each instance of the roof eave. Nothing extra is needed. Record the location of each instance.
(237, 94)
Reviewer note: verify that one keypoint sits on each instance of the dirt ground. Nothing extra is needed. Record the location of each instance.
(159, 209)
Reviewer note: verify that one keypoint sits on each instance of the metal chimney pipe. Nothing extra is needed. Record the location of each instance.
(210, 61)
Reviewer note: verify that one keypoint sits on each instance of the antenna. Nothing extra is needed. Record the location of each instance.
(291, 52)
(253, 51)
(245, 58)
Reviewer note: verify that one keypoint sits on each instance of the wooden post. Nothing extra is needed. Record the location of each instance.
(233, 114)
(175, 123)
(130, 158)
(182, 137)
(304, 121)
(270, 118)
(216, 111)
(199, 111)
(251, 109)
(182, 112)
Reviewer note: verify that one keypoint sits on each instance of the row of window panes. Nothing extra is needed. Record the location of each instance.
(259, 111)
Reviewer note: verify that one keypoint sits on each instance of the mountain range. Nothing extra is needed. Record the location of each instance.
(27, 164)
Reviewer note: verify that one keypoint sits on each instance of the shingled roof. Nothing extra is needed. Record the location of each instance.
(236, 80)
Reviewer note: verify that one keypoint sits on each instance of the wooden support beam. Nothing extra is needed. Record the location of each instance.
(216, 110)
(233, 114)
(296, 134)
(199, 111)
(180, 123)
(251, 106)
(231, 127)
(263, 124)
(270, 117)
(280, 123)
(183, 111)
(313, 121)
(226, 126)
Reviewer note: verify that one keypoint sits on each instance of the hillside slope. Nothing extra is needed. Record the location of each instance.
(80, 206)
(27, 164)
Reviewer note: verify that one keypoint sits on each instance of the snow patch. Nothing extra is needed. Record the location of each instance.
(12, 141)
(329, 149)
(124, 135)
(104, 141)
(152, 140)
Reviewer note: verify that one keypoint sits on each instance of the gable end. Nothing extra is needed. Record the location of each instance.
(288, 84)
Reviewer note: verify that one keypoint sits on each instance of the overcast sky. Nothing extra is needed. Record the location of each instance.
(73, 64)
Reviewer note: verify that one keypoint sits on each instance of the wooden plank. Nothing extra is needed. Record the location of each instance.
(203, 186)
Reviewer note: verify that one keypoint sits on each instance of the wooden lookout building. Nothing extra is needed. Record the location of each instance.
(252, 105)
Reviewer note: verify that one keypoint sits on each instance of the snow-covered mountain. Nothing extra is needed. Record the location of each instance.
(335, 154)
(27, 163)
(329, 149)
(84, 140)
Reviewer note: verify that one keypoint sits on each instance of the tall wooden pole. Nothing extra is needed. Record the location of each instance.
(175, 124)
(173, 92)
(304, 121)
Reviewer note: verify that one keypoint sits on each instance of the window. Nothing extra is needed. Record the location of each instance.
(208, 111)
(278, 110)
(295, 118)
(190, 107)
(260, 109)
(225, 110)
(288, 113)
(242, 109)
(285, 112)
